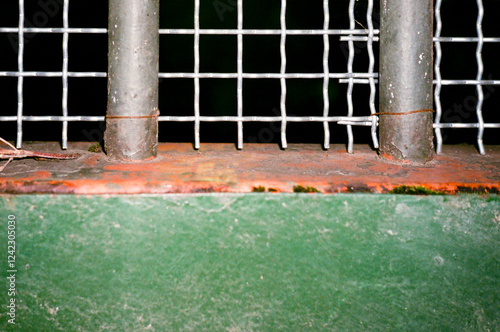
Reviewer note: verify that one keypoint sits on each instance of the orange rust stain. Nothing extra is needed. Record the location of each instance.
(389, 157)
(42, 174)
(135, 167)
(92, 161)
(176, 148)
(137, 185)
(153, 172)
(219, 168)
(33, 177)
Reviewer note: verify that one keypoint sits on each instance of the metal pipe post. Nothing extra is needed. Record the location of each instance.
(133, 64)
(406, 88)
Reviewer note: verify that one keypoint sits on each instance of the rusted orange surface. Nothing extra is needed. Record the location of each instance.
(221, 168)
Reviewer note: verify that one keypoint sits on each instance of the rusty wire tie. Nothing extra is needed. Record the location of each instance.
(118, 117)
(403, 113)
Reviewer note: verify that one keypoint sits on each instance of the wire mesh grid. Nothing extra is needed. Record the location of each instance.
(21, 30)
(479, 82)
(351, 78)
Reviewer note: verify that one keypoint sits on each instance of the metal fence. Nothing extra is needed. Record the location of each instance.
(353, 34)
(64, 116)
(479, 82)
(348, 77)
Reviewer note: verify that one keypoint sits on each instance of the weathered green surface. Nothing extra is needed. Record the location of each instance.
(262, 262)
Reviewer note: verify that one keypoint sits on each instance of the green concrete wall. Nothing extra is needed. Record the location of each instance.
(256, 262)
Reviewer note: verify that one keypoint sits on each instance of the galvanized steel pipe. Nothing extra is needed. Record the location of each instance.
(133, 65)
(406, 72)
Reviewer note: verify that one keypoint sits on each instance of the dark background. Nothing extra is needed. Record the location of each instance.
(87, 52)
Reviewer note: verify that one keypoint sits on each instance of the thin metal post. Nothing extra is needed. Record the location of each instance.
(133, 66)
(406, 71)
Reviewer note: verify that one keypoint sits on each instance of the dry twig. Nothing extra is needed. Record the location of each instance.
(13, 152)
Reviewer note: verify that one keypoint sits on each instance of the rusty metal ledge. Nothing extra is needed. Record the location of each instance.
(221, 168)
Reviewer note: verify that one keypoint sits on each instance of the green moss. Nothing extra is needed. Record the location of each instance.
(308, 189)
(96, 148)
(413, 190)
(259, 189)
(493, 199)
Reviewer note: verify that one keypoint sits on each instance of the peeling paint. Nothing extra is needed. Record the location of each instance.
(221, 168)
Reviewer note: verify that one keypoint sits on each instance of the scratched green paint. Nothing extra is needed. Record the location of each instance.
(262, 262)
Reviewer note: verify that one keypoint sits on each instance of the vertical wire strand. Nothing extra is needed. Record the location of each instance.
(371, 67)
(197, 71)
(240, 73)
(350, 61)
(283, 71)
(65, 74)
(20, 79)
(326, 71)
(480, 68)
(437, 72)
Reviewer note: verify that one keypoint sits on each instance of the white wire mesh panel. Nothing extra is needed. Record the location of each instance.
(350, 77)
(479, 82)
(352, 35)
(22, 30)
